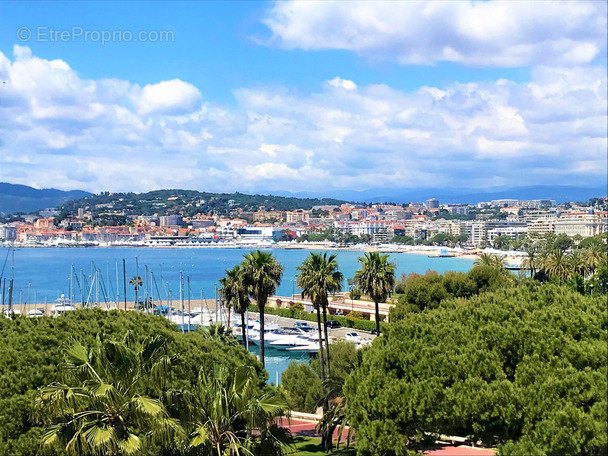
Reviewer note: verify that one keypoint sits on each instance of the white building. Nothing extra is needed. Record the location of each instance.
(475, 231)
(585, 225)
(259, 233)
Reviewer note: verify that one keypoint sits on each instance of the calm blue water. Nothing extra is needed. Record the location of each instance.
(45, 272)
(277, 361)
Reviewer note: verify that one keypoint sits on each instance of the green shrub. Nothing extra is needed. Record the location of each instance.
(31, 354)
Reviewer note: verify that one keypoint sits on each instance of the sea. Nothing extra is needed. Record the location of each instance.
(45, 274)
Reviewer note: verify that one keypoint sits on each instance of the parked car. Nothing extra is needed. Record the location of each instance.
(333, 324)
(352, 337)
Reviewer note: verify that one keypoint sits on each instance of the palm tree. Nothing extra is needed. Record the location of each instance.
(595, 253)
(136, 282)
(261, 275)
(228, 414)
(556, 265)
(376, 278)
(318, 278)
(234, 291)
(487, 259)
(577, 262)
(103, 403)
(531, 261)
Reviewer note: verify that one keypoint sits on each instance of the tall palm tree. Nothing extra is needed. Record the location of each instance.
(261, 275)
(318, 278)
(556, 265)
(228, 414)
(104, 402)
(595, 253)
(531, 261)
(234, 291)
(376, 278)
(577, 262)
(136, 282)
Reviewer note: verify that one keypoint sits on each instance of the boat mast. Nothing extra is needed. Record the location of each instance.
(72, 284)
(124, 280)
(117, 283)
(12, 282)
(181, 297)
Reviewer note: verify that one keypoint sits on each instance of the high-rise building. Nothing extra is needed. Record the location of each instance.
(432, 203)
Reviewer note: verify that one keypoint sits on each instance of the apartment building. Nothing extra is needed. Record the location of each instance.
(582, 224)
(475, 230)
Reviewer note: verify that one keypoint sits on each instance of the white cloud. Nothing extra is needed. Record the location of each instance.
(169, 97)
(344, 83)
(60, 130)
(485, 33)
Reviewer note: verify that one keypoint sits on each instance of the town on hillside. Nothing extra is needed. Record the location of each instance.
(170, 219)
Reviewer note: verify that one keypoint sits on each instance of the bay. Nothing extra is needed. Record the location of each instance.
(45, 272)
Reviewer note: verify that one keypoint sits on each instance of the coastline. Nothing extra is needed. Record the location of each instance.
(430, 251)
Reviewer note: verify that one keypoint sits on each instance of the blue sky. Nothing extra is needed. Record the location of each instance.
(308, 96)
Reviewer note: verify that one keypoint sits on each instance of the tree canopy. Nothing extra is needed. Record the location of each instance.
(522, 367)
(31, 353)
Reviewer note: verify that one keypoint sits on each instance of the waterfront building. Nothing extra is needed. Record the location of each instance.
(260, 233)
(8, 233)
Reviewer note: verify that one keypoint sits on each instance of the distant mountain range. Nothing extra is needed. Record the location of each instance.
(559, 193)
(21, 198)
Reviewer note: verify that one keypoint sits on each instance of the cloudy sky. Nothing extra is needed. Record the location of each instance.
(303, 96)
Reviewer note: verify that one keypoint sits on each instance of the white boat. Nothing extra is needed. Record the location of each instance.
(290, 341)
(35, 313)
(270, 335)
(59, 309)
(308, 348)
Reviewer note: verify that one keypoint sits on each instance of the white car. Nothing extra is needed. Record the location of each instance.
(352, 337)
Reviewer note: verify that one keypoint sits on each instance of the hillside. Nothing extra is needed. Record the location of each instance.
(21, 198)
(187, 203)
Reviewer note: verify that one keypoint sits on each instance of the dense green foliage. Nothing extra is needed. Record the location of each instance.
(420, 292)
(31, 353)
(522, 367)
(109, 399)
(302, 382)
(302, 387)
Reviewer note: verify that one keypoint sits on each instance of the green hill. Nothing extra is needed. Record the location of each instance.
(188, 203)
(21, 198)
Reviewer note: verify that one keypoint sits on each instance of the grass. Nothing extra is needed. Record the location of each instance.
(311, 446)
